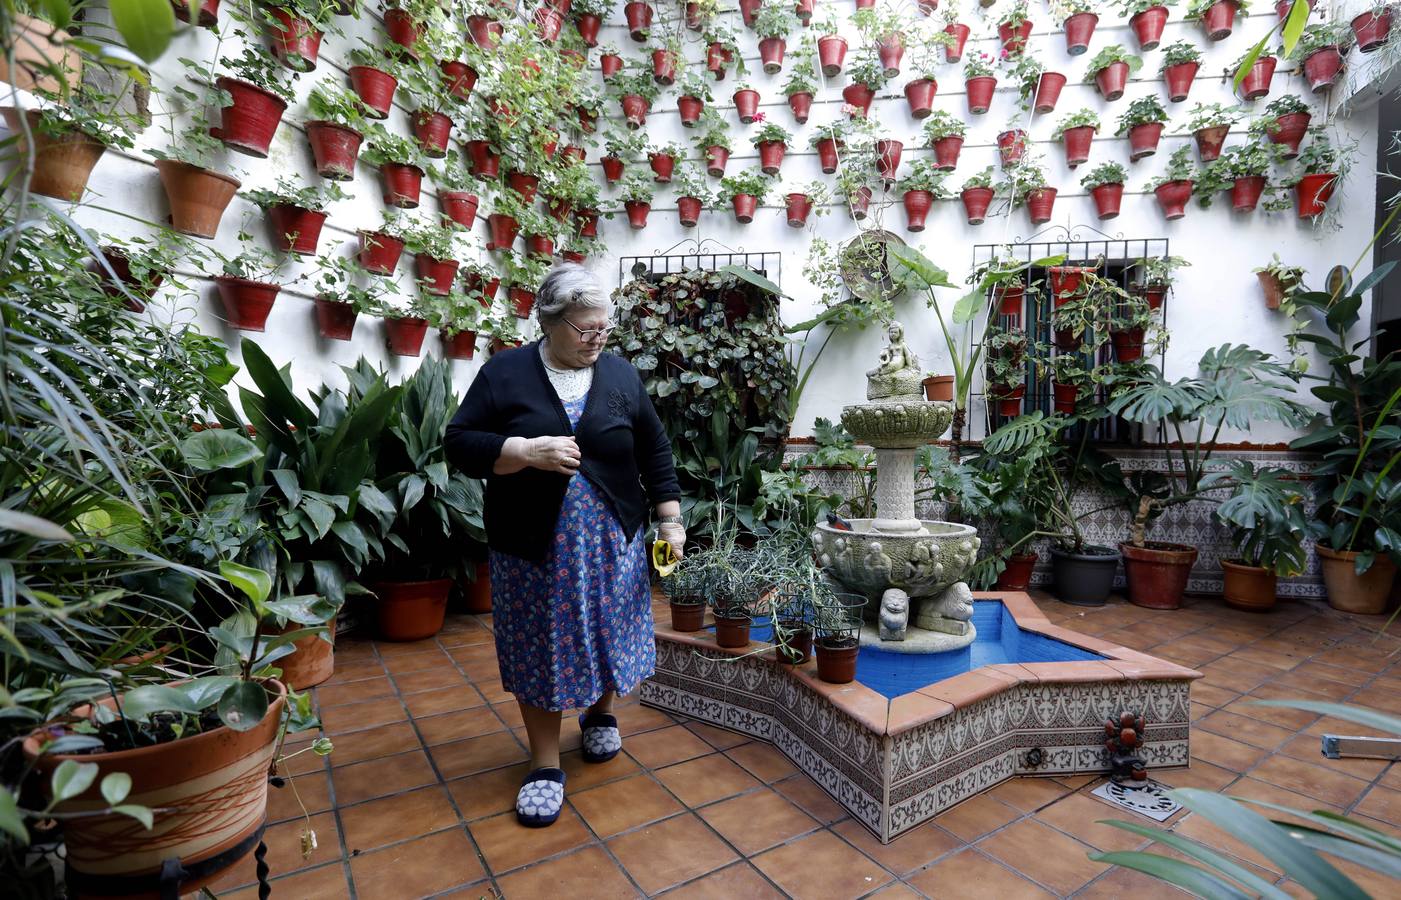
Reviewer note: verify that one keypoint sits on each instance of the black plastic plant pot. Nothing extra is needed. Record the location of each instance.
(1085, 578)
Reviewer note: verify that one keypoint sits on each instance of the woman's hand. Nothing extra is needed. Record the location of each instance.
(553, 454)
(675, 535)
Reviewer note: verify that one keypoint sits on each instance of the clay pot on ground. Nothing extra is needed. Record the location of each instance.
(688, 210)
(296, 42)
(198, 197)
(411, 610)
(1143, 140)
(715, 159)
(1219, 19)
(1017, 574)
(476, 592)
(250, 120)
(1312, 193)
(980, 91)
(637, 213)
(334, 148)
(1322, 67)
(1179, 79)
(1148, 26)
(687, 617)
(1079, 29)
(404, 337)
(335, 320)
(294, 229)
(1157, 573)
(63, 163)
(917, 205)
(1039, 204)
(1111, 80)
(745, 206)
(246, 303)
(1210, 141)
(836, 659)
(946, 150)
(459, 207)
(379, 252)
(1248, 587)
(1371, 30)
(831, 53)
(1246, 191)
(1085, 578)
(431, 130)
(1290, 132)
(799, 208)
(801, 105)
(1173, 197)
(938, 388)
(375, 89)
(312, 661)
(1108, 198)
(1077, 143)
(402, 185)
(1048, 91)
(959, 32)
(746, 104)
(1366, 594)
(732, 631)
(976, 201)
(1256, 82)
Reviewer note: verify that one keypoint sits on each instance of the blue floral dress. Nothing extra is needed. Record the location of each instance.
(578, 623)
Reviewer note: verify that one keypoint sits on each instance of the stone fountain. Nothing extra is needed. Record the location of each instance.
(910, 570)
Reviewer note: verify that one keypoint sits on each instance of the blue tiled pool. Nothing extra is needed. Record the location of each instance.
(999, 640)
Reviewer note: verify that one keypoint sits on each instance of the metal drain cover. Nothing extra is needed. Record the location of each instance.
(1148, 799)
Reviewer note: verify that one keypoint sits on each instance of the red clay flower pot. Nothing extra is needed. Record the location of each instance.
(1009, 400)
(890, 50)
(1245, 192)
(860, 203)
(1157, 573)
(334, 148)
(458, 78)
(1246, 587)
(462, 345)
(246, 303)
(771, 156)
(959, 32)
(549, 22)
(1173, 197)
(1154, 294)
(121, 267)
(980, 90)
(197, 197)
(295, 42)
(664, 67)
(746, 104)
(458, 206)
(831, 53)
(1077, 144)
(799, 208)
(208, 12)
(1009, 296)
(374, 88)
(379, 252)
(927, 7)
(1111, 80)
(689, 210)
(411, 610)
(1011, 146)
(637, 213)
(1219, 19)
(432, 130)
(1039, 203)
(588, 26)
(1322, 67)
(403, 185)
(946, 150)
(502, 230)
(540, 246)
(1128, 344)
(587, 221)
(917, 205)
(748, 9)
(1079, 29)
(801, 104)
(745, 206)
(1179, 80)
(1014, 37)
(1143, 140)
(639, 16)
(804, 10)
(1065, 396)
(717, 56)
(919, 93)
(522, 301)
(859, 97)
(1312, 193)
(1291, 131)
(690, 109)
(405, 335)
(249, 122)
(1371, 30)
(524, 184)
(335, 320)
(635, 110)
(1108, 198)
(888, 159)
(1282, 8)
(1256, 82)
(612, 169)
(486, 162)
(663, 165)
(1048, 91)
(435, 276)
(715, 159)
(976, 201)
(403, 30)
(610, 64)
(1017, 574)
(484, 32)
(295, 230)
(938, 388)
(1148, 26)
(575, 151)
(1210, 141)
(827, 149)
(771, 51)
(837, 665)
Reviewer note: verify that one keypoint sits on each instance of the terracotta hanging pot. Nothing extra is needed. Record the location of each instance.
(1014, 37)
(1371, 29)
(434, 276)
(295, 42)
(335, 320)
(1079, 29)
(1009, 297)
(639, 17)
(690, 109)
(335, 149)
(1173, 197)
(1143, 140)
(462, 345)
(1009, 399)
(612, 169)
(748, 9)
(917, 205)
(502, 230)
(1157, 573)
(459, 207)
(976, 201)
(1179, 77)
(1289, 132)
(1111, 80)
(938, 388)
(1274, 289)
(1210, 141)
(485, 161)
(1312, 193)
(946, 150)
(549, 22)
(587, 221)
(859, 203)
(403, 185)
(927, 7)
(1148, 27)
(664, 67)
(1367, 594)
(1246, 191)
(432, 130)
(1219, 19)
(745, 206)
(746, 104)
(540, 246)
(374, 88)
(804, 10)
(771, 156)
(1016, 576)
(249, 122)
(63, 163)
(1107, 198)
(198, 197)
(1256, 82)
(1039, 203)
(771, 51)
(890, 50)
(1248, 587)
(610, 64)
(588, 26)
(1128, 344)
(246, 303)
(522, 301)
(919, 93)
(208, 13)
(405, 32)
(404, 337)
(1322, 67)
(1066, 282)
(858, 96)
(635, 109)
(827, 150)
(888, 159)
(525, 185)
(959, 32)
(485, 33)
(379, 252)
(716, 157)
(1077, 144)
(637, 211)
(831, 54)
(663, 164)
(1064, 397)
(980, 90)
(1048, 91)
(136, 293)
(458, 78)
(295, 230)
(1011, 146)
(801, 105)
(411, 610)
(799, 207)
(689, 210)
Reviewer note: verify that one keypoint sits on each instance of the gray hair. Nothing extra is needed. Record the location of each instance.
(569, 286)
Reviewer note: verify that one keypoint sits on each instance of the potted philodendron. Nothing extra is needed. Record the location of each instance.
(343, 292)
(745, 191)
(812, 199)
(1265, 513)
(692, 96)
(921, 186)
(68, 137)
(772, 25)
(1110, 70)
(801, 86)
(1319, 49)
(715, 142)
(1285, 122)
(253, 97)
(977, 194)
(400, 164)
(1143, 123)
(435, 269)
(1181, 61)
(693, 194)
(663, 161)
(1241, 169)
(945, 133)
(457, 199)
(1321, 167)
(772, 142)
(1279, 281)
(1254, 82)
(636, 192)
(1080, 18)
(1077, 132)
(246, 287)
(1105, 182)
(1173, 187)
(979, 82)
(1209, 124)
(1006, 369)
(1218, 17)
(296, 214)
(335, 128)
(1147, 19)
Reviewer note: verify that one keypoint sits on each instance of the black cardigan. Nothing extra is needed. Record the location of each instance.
(621, 444)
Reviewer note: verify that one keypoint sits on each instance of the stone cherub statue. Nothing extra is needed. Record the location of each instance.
(897, 374)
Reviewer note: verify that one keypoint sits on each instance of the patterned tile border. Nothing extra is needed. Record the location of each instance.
(894, 764)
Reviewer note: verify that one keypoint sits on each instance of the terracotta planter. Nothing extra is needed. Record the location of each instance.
(1066, 282)
(635, 110)
(294, 229)
(831, 54)
(804, 10)
(1009, 399)
(745, 206)
(771, 156)
(953, 53)
(411, 610)
(689, 210)
(459, 207)
(374, 88)
(1039, 203)
(1017, 574)
(1107, 198)
(801, 105)
(462, 345)
(295, 41)
(1011, 146)
(664, 67)
(1128, 344)
(496, 345)
(927, 7)
(63, 163)
(732, 632)
(946, 150)
(1086, 578)
(1371, 30)
(799, 649)
(827, 155)
(121, 267)
(1256, 82)
(612, 169)
(198, 197)
(919, 93)
(486, 162)
(549, 22)
(1154, 294)
(771, 51)
(334, 148)
(890, 51)
(191, 822)
(837, 665)
(917, 205)
(1014, 37)
(1009, 297)
(1179, 79)
(1111, 80)
(1143, 140)
(587, 220)
(715, 159)
(1219, 19)
(690, 109)
(379, 252)
(250, 120)
(1173, 197)
(434, 276)
(1312, 193)
(42, 56)
(888, 159)
(1048, 91)
(637, 213)
(1064, 397)
(1246, 191)
(312, 661)
(458, 78)
(1290, 132)
(748, 9)
(1248, 587)
(610, 64)
(476, 594)
(502, 230)
(859, 97)
(522, 301)
(1157, 573)
(980, 91)
(335, 320)
(540, 246)
(717, 56)
(403, 30)
(402, 185)
(1322, 67)
(404, 337)
(525, 185)
(687, 617)
(1367, 594)
(432, 130)
(639, 16)
(859, 203)
(588, 26)
(799, 208)
(1210, 141)
(1079, 29)
(976, 201)
(1148, 26)
(1274, 288)
(746, 104)
(246, 303)
(938, 388)
(485, 33)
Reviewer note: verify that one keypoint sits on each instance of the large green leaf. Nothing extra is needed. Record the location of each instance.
(277, 396)
(145, 25)
(744, 273)
(243, 706)
(1201, 853)
(918, 265)
(153, 698)
(11, 822)
(71, 778)
(255, 584)
(1173, 871)
(34, 526)
(1294, 25)
(218, 448)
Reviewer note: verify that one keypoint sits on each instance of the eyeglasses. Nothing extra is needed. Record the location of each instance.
(590, 335)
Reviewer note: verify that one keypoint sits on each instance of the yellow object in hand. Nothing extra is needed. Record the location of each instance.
(664, 557)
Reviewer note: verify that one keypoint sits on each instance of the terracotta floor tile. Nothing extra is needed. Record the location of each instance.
(1212, 696)
(508, 845)
(583, 776)
(442, 676)
(509, 711)
(1282, 661)
(1044, 855)
(719, 738)
(1306, 778)
(1308, 747)
(324, 883)
(386, 740)
(737, 882)
(908, 852)
(332, 694)
(706, 779)
(380, 777)
(299, 759)
(455, 726)
(621, 805)
(348, 673)
(488, 793)
(285, 852)
(1383, 698)
(843, 871)
(1284, 718)
(419, 867)
(636, 718)
(395, 818)
(416, 662)
(313, 790)
(1245, 729)
(1119, 883)
(1236, 676)
(1199, 775)
(975, 817)
(756, 821)
(393, 649)
(587, 873)
(492, 691)
(1028, 794)
(665, 746)
(442, 700)
(1322, 670)
(1079, 816)
(814, 801)
(668, 853)
(763, 761)
(359, 716)
(1250, 789)
(1197, 828)
(478, 754)
(1381, 803)
(1225, 752)
(1329, 725)
(972, 876)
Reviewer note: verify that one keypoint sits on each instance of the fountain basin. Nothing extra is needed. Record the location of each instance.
(894, 762)
(922, 565)
(897, 423)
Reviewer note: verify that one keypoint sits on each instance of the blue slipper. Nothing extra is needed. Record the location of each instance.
(601, 738)
(541, 798)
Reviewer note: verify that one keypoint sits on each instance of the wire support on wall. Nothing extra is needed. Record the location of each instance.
(707, 254)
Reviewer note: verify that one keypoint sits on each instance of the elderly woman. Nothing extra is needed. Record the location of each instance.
(573, 455)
